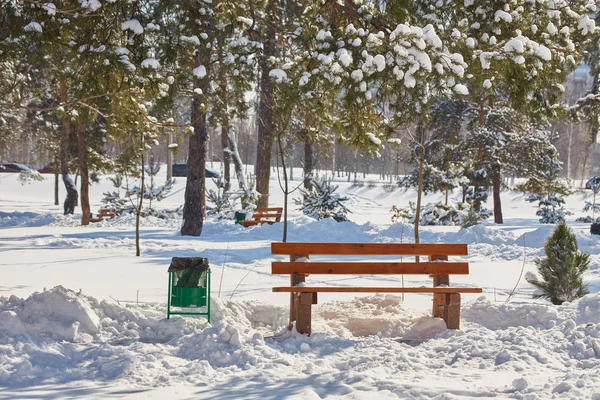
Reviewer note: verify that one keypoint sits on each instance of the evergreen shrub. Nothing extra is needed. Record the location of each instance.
(562, 269)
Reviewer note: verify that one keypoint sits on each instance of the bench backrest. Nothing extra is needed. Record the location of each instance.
(260, 214)
(105, 212)
(437, 254)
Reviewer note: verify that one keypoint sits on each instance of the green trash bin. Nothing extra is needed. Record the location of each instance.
(239, 217)
(189, 286)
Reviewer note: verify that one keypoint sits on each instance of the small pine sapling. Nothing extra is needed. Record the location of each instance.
(551, 208)
(219, 203)
(592, 206)
(113, 199)
(321, 201)
(470, 219)
(562, 269)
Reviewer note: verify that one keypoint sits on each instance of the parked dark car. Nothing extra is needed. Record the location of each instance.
(48, 169)
(594, 180)
(181, 170)
(14, 167)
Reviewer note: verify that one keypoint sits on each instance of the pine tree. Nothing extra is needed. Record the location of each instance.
(562, 269)
(520, 53)
(321, 201)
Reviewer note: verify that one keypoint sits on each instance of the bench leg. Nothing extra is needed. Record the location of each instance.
(447, 307)
(453, 314)
(294, 280)
(303, 307)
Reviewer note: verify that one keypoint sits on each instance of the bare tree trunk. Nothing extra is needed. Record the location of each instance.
(236, 159)
(194, 204)
(569, 149)
(226, 156)
(309, 163)
(285, 190)
(83, 171)
(140, 204)
(71, 198)
(265, 109)
(292, 157)
(169, 157)
(586, 155)
(420, 182)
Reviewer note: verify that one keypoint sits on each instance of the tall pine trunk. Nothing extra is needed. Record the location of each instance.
(264, 145)
(421, 146)
(286, 190)
(56, 180)
(309, 163)
(138, 214)
(497, 183)
(194, 200)
(71, 198)
(226, 156)
(84, 173)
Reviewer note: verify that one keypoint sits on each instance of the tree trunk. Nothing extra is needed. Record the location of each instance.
(236, 159)
(138, 214)
(193, 208)
(292, 159)
(285, 191)
(265, 110)
(420, 182)
(71, 198)
(169, 157)
(83, 171)
(586, 155)
(497, 185)
(226, 157)
(309, 163)
(569, 149)
(56, 197)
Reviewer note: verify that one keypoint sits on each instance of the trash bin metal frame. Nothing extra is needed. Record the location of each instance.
(170, 296)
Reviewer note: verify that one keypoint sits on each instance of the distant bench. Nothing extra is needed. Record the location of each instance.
(264, 216)
(446, 299)
(104, 213)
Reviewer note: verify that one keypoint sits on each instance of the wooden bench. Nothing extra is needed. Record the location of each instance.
(446, 299)
(104, 213)
(264, 216)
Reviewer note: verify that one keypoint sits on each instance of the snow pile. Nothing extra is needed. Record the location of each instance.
(481, 234)
(357, 346)
(30, 219)
(380, 315)
(63, 315)
(59, 314)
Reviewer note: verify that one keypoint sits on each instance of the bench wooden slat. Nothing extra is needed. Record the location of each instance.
(349, 249)
(269, 209)
(261, 216)
(370, 268)
(311, 289)
(256, 222)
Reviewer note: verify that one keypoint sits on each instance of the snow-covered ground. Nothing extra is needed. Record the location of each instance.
(82, 317)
